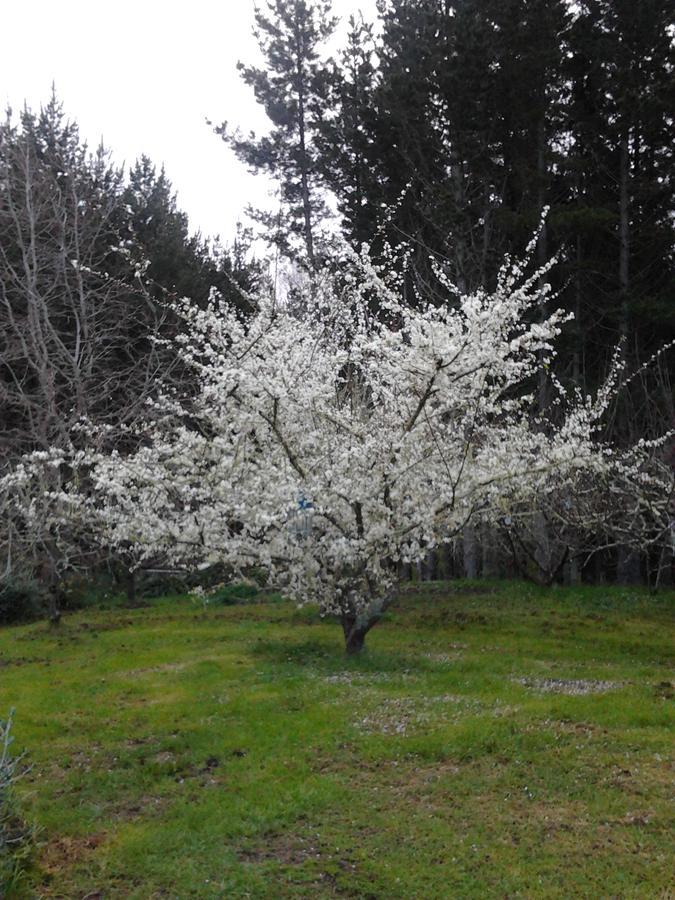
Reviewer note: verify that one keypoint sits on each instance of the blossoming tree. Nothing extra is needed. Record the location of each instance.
(330, 445)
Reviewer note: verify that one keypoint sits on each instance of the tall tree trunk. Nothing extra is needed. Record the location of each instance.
(405, 572)
(572, 568)
(470, 550)
(304, 167)
(624, 235)
(663, 577)
(628, 566)
(578, 355)
(431, 565)
(542, 249)
(488, 546)
(628, 563)
(543, 543)
(448, 561)
(130, 580)
(49, 579)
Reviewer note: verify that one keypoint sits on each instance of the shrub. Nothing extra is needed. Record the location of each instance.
(20, 600)
(233, 594)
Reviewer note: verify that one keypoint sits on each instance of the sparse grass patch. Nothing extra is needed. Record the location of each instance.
(495, 740)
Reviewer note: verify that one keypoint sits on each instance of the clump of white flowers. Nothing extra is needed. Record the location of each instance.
(331, 444)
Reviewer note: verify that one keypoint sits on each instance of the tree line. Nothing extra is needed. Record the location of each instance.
(445, 131)
(88, 258)
(91, 258)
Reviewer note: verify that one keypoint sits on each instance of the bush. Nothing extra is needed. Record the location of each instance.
(233, 594)
(16, 838)
(20, 600)
(158, 584)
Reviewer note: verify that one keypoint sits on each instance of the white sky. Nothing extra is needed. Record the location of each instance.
(145, 75)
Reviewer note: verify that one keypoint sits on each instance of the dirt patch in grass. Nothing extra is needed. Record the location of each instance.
(404, 777)
(100, 625)
(445, 658)
(665, 690)
(281, 848)
(23, 661)
(62, 853)
(576, 729)
(444, 617)
(144, 807)
(327, 869)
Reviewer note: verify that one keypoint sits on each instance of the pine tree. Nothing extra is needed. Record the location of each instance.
(346, 135)
(292, 89)
(619, 167)
(180, 263)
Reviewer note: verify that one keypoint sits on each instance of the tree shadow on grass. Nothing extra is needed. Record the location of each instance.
(328, 657)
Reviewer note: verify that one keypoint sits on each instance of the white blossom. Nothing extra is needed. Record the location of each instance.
(397, 428)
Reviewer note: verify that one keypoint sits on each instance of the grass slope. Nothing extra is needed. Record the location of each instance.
(495, 741)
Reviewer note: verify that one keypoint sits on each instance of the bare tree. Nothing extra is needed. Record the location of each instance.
(76, 319)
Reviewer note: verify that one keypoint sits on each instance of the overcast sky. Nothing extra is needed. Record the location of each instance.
(144, 75)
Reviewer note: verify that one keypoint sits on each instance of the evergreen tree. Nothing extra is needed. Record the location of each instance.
(411, 161)
(292, 88)
(180, 263)
(621, 166)
(346, 135)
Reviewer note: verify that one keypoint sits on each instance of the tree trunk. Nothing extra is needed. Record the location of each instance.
(49, 578)
(431, 565)
(624, 235)
(53, 611)
(543, 549)
(542, 257)
(628, 566)
(543, 552)
(356, 626)
(304, 173)
(573, 575)
(664, 569)
(405, 572)
(130, 580)
(355, 634)
(490, 563)
(470, 552)
(448, 561)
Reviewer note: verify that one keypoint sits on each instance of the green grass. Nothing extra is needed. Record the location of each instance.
(235, 752)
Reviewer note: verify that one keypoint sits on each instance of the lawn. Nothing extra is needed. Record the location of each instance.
(496, 740)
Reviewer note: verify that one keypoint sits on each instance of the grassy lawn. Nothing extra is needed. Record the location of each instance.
(496, 740)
